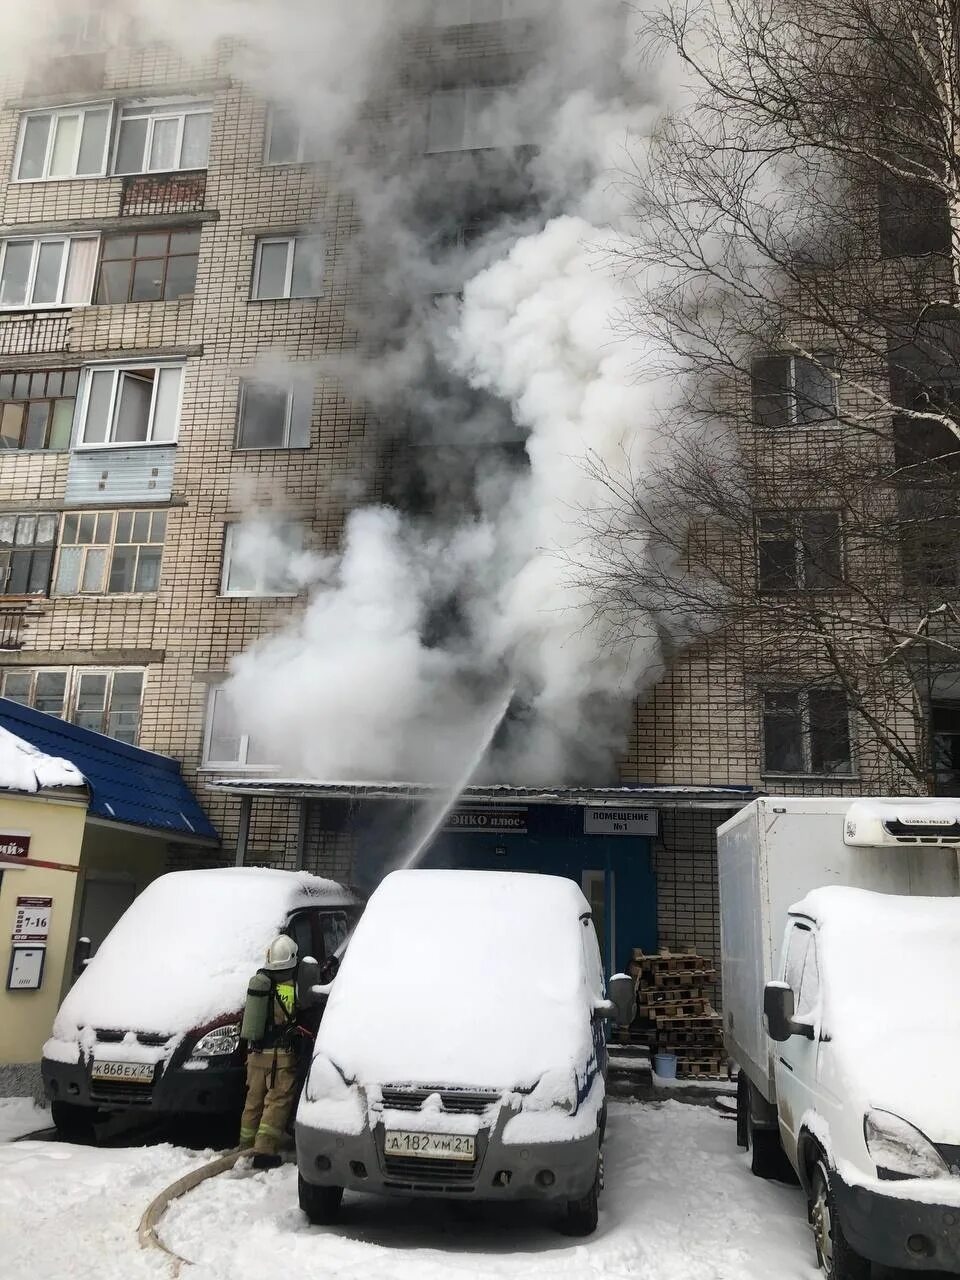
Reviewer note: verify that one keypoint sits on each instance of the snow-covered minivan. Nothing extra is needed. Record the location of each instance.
(153, 1022)
(462, 1052)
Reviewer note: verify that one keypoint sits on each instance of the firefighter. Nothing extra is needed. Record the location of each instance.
(275, 1039)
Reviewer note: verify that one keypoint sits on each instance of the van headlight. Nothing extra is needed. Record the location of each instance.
(900, 1150)
(219, 1042)
(326, 1080)
(554, 1089)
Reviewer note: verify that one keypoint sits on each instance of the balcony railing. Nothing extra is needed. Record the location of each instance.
(13, 619)
(157, 193)
(34, 333)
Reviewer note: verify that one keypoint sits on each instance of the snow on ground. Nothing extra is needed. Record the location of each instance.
(71, 1212)
(680, 1204)
(19, 1116)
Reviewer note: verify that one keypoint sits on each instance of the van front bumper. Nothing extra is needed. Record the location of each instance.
(215, 1089)
(900, 1233)
(501, 1171)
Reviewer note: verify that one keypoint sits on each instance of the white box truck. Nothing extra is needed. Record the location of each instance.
(840, 926)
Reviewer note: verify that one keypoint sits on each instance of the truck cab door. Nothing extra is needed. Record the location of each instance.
(797, 1059)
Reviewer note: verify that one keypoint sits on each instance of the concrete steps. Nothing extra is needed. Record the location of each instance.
(629, 1071)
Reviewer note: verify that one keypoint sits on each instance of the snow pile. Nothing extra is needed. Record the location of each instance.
(184, 951)
(888, 968)
(463, 978)
(19, 1116)
(23, 767)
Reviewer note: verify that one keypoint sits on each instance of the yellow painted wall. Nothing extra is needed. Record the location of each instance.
(56, 828)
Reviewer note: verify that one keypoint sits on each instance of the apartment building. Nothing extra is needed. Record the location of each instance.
(174, 266)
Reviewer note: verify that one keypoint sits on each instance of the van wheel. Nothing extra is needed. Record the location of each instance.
(835, 1258)
(320, 1204)
(580, 1217)
(74, 1123)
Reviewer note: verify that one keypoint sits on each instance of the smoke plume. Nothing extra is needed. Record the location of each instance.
(490, 363)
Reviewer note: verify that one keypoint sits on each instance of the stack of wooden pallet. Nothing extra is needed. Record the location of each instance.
(675, 1014)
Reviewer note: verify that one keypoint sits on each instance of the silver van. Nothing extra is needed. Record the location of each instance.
(462, 1052)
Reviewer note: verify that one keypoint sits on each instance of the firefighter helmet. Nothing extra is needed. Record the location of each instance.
(281, 954)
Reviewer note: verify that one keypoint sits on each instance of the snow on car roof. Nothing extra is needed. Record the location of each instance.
(888, 966)
(24, 767)
(463, 978)
(185, 949)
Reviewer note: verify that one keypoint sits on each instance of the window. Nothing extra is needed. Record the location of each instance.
(106, 701)
(70, 142)
(226, 744)
(255, 564)
(151, 267)
(110, 552)
(274, 417)
(286, 140)
(333, 931)
(801, 552)
(43, 690)
(798, 940)
(288, 267)
(83, 31)
(790, 391)
(463, 119)
(36, 409)
(945, 727)
(130, 405)
(162, 137)
(806, 732)
(808, 997)
(914, 217)
(930, 552)
(27, 544)
(458, 13)
(47, 271)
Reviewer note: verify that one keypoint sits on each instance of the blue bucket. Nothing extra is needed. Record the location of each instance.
(665, 1065)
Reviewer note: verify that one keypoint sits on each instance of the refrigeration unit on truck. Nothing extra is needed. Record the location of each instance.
(841, 957)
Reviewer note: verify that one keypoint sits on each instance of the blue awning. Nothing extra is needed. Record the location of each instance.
(126, 784)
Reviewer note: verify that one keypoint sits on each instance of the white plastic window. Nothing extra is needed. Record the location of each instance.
(130, 405)
(463, 119)
(163, 137)
(273, 417)
(70, 142)
(227, 744)
(47, 271)
(252, 570)
(288, 267)
(286, 140)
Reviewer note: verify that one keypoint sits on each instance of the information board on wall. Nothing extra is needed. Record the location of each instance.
(32, 920)
(621, 822)
(505, 820)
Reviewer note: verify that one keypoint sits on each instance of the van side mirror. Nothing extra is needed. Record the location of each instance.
(779, 1007)
(81, 955)
(622, 999)
(313, 981)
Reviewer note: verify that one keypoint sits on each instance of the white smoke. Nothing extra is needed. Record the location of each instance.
(412, 628)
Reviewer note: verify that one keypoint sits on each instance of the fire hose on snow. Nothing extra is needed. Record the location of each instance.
(147, 1230)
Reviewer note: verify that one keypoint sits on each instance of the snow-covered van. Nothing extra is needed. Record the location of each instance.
(462, 1052)
(841, 949)
(153, 1021)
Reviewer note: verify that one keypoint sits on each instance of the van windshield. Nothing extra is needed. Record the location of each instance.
(888, 967)
(463, 979)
